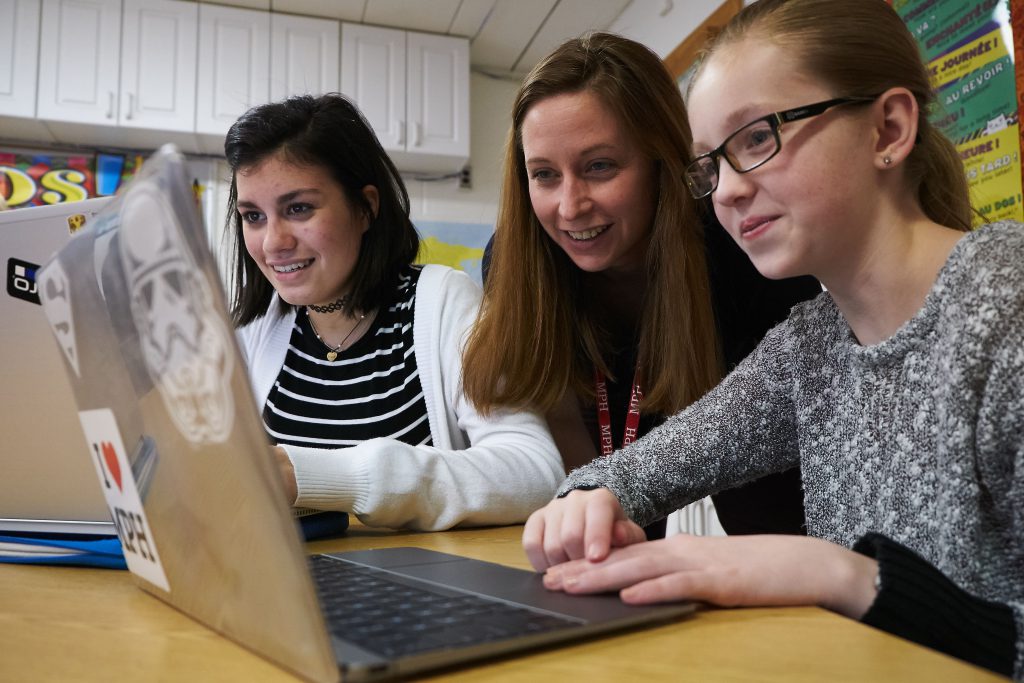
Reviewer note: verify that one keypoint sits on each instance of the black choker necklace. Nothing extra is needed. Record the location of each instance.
(331, 307)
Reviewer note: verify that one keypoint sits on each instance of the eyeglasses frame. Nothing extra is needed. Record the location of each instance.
(775, 120)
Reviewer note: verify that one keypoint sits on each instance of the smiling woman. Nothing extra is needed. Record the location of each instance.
(611, 300)
(354, 352)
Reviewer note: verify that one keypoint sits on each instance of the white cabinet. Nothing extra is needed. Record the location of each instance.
(19, 56)
(234, 63)
(413, 88)
(304, 56)
(158, 65)
(437, 95)
(373, 76)
(79, 60)
(89, 74)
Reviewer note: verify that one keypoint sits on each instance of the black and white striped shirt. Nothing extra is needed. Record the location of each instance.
(372, 389)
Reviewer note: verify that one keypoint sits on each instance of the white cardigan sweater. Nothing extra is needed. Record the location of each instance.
(479, 471)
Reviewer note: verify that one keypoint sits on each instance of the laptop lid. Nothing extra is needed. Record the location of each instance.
(47, 485)
(166, 408)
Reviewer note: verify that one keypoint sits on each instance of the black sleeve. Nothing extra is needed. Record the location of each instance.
(746, 306)
(746, 303)
(485, 261)
(918, 602)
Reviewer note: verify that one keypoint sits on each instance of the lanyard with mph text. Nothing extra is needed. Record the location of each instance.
(604, 416)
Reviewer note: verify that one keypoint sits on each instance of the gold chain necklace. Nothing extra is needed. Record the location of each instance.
(332, 352)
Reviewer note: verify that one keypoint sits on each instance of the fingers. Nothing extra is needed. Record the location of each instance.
(576, 526)
(599, 517)
(627, 532)
(533, 535)
(543, 546)
(689, 585)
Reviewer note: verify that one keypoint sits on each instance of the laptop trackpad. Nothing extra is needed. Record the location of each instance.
(498, 581)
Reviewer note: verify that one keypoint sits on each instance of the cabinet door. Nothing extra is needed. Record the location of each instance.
(234, 64)
(438, 105)
(304, 56)
(158, 65)
(19, 56)
(373, 76)
(79, 60)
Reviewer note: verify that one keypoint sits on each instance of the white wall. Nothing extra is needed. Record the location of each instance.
(490, 118)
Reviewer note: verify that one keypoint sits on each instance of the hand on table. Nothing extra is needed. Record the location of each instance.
(728, 571)
(583, 524)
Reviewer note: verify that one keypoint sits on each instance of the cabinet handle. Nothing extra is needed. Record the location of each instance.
(401, 133)
(419, 134)
(110, 105)
(131, 106)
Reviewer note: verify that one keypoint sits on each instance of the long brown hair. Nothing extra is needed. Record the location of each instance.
(862, 48)
(537, 335)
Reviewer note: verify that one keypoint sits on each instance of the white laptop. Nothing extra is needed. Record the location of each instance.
(47, 486)
(136, 306)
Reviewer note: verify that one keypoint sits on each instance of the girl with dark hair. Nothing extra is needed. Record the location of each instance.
(899, 391)
(354, 353)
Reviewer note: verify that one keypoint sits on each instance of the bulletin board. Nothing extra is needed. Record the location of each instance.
(972, 50)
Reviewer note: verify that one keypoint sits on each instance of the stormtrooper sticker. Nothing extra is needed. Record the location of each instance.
(56, 296)
(185, 345)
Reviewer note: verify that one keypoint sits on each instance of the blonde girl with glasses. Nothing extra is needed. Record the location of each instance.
(900, 390)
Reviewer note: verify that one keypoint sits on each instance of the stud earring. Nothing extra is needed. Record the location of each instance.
(887, 161)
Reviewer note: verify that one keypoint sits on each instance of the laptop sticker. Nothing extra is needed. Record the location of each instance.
(21, 280)
(54, 281)
(122, 495)
(185, 345)
(76, 222)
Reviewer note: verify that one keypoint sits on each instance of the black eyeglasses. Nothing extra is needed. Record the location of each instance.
(753, 144)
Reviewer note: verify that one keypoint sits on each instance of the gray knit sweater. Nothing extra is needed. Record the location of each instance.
(919, 437)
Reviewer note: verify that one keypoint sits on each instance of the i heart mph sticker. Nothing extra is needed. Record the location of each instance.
(114, 472)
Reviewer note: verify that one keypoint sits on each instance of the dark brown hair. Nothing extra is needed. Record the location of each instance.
(328, 132)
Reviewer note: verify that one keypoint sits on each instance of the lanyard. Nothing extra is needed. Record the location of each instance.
(604, 416)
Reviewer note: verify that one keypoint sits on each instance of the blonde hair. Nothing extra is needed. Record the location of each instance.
(539, 333)
(861, 48)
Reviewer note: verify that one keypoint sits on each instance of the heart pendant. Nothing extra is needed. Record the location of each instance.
(331, 355)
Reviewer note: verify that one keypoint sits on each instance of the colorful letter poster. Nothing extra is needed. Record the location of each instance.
(33, 179)
(970, 52)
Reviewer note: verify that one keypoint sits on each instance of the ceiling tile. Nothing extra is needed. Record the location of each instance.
(506, 33)
(568, 20)
(470, 17)
(346, 10)
(434, 16)
(248, 4)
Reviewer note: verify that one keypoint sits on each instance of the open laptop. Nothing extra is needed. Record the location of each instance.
(136, 306)
(47, 486)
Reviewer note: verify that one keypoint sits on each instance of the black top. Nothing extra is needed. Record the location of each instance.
(746, 306)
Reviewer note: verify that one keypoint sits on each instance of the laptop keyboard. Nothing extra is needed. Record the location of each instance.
(384, 614)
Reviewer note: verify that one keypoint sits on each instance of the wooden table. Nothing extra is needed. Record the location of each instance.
(76, 624)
